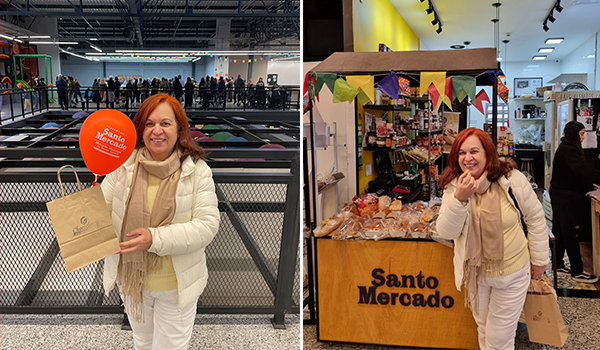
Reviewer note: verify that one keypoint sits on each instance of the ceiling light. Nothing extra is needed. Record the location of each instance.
(457, 47)
(554, 41)
(527, 70)
(435, 21)
(558, 7)
(539, 57)
(54, 42)
(196, 59)
(533, 66)
(498, 59)
(93, 39)
(429, 10)
(11, 38)
(95, 48)
(34, 36)
(591, 56)
(439, 30)
(551, 17)
(545, 27)
(546, 50)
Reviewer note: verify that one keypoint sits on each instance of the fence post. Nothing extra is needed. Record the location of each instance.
(289, 246)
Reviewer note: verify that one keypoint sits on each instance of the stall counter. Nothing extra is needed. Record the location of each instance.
(391, 292)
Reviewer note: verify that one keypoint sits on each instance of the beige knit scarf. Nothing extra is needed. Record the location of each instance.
(485, 238)
(133, 266)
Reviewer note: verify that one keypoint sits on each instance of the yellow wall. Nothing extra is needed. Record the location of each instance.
(377, 21)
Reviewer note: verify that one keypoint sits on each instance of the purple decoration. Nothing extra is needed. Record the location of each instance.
(389, 85)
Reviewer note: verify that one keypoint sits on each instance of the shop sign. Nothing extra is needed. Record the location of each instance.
(412, 290)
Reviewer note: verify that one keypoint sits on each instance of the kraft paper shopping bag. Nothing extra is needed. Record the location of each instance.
(82, 225)
(544, 320)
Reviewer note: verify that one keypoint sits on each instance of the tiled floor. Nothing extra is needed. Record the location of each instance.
(580, 316)
(104, 332)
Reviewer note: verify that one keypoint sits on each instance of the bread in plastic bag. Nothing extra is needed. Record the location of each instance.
(328, 226)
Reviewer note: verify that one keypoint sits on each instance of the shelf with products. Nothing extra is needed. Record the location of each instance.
(432, 131)
(388, 108)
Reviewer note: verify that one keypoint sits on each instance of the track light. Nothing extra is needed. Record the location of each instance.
(558, 7)
(436, 18)
(439, 30)
(435, 21)
(545, 27)
(422, 0)
(429, 10)
(551, 17)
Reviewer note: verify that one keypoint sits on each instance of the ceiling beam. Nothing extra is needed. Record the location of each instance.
(133, 11)
(148, 15)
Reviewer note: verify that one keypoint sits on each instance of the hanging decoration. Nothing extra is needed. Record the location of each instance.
(364, 83)
(389, 85)
(343, 91)
(434, 95)
(437, 78)
(481, 96)
(447, 98)
(404, 86)
(463, 86)
(325, 78)
(502, 91)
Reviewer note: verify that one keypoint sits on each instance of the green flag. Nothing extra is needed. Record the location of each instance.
(362, 96)
(327, 79)
(463, 86)
(343, 91)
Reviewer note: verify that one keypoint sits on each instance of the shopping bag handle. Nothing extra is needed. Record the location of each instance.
(60, 181)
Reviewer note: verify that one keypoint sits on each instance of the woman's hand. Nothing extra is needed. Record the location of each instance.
(143, 241)
(466, 186)
(537, 271)
(596, 187)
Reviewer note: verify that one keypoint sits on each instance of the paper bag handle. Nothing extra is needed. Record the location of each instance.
(60, 181)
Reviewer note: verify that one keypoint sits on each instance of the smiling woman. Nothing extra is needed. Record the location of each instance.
(482, 210)
(164, 209)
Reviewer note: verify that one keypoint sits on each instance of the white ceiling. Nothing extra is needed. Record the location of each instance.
(520, 22)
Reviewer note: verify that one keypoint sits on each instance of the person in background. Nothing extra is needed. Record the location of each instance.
(239, 90)
(165, 212)
(189, 92)
(61, 88)
(70, 90)
(570, 181)
(178, 88)
(484, 201)
(117, 90)
(110, 93)
(77, 95)
(136, 91)
(260, 93)
(96, 96)
(128, 93)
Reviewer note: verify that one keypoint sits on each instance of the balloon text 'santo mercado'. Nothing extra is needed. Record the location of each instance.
(107, 138)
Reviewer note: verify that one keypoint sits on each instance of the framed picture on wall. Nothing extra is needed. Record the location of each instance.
(525, 87)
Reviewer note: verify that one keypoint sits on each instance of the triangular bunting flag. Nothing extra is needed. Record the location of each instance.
(437, 78)
(364, 82)
(389, 85)
(343, 91)
(362, 96)
(463, 86)
(434, 95)
(304, 86)
(447, 98)
(404, 86)
(327, 79)
(502, 91)
(481, 96)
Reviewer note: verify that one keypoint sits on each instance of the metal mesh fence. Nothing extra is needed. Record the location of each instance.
(243, 259)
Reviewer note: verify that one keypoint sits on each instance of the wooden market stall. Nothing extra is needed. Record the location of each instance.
(393, 291)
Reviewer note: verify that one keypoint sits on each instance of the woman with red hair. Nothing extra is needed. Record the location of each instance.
(500, 235)
(164, 209)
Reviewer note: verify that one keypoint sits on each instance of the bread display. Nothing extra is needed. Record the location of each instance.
(373, 217)
(328, 226)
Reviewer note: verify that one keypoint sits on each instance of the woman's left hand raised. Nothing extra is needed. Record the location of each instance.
(143, 241)
(537, 271)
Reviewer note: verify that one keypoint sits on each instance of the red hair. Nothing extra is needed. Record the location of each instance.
(494, 166)
(185, 142)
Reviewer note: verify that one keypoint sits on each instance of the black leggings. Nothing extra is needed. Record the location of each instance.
(566, 210)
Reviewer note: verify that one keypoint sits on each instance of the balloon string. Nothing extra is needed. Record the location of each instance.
(95, 180)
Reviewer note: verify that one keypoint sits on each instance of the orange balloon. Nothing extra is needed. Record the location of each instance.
(50, 84)
(107, 139)
(19, 85)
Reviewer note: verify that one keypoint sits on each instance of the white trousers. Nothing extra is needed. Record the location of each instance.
(165, 327)
(501, 301)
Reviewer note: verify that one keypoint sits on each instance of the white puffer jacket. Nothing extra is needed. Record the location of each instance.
(453, 221)
(194, 225)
